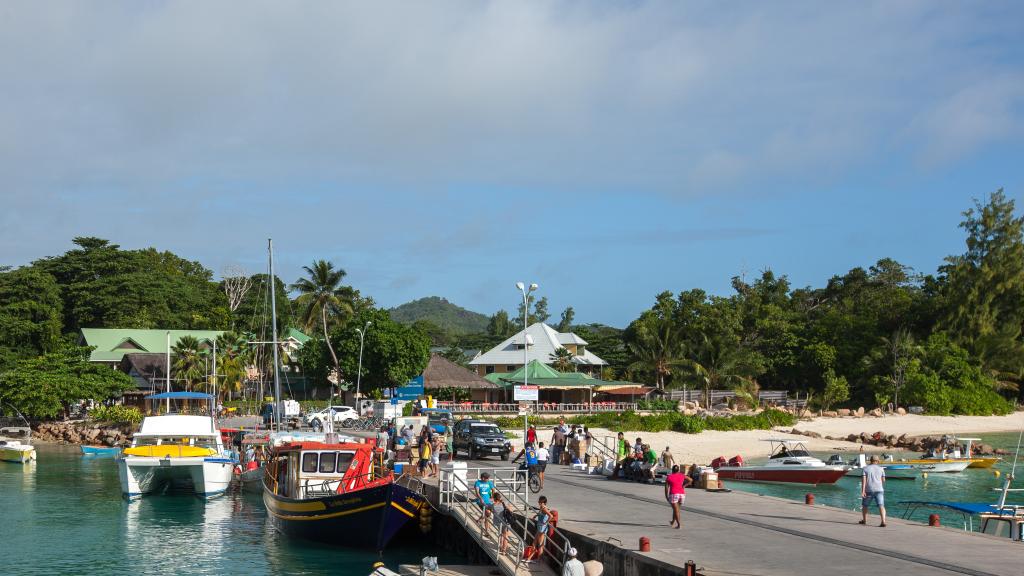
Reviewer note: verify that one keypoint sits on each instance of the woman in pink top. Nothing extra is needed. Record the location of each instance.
(675, 492)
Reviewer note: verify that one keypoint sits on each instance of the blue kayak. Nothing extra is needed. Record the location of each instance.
(101, 450)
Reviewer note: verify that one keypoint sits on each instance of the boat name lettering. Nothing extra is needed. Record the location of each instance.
(344, 502)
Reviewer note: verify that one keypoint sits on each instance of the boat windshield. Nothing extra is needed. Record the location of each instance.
(791, 452)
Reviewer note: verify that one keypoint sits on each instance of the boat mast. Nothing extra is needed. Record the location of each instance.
(168, 371)
(273, 324)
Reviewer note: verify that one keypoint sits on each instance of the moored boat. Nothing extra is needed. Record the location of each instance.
(336, 493)
(893, 470)
(15, 444)
(101, 450)
(789, 463)
(176, 450)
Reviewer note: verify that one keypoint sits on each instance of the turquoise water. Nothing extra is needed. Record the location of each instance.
(971, 485)
(64, 515)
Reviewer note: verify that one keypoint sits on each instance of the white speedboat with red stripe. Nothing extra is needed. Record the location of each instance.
(790, 463)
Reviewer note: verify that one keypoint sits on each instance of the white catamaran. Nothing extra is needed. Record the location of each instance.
(176, 450)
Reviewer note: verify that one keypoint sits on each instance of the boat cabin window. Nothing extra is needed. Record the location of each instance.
(327, 462)
(309, 461)
(344, 459)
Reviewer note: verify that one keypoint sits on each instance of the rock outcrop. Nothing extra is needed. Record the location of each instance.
(83, 432)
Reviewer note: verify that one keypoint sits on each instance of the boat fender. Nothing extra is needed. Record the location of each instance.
(809, 499)
(933, 520)
(645, 544)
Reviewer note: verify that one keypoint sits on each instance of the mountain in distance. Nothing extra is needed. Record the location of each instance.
(454, 319)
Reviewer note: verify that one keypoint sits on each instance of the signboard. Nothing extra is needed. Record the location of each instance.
(411, 391)
(528, 393)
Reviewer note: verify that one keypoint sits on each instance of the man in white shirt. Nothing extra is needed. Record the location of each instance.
(872, 487)
(542, 462)
(572, 566)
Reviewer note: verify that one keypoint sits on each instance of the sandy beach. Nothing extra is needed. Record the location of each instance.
(704, 447)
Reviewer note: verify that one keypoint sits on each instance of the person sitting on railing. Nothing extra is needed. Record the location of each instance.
(502, 520)
(484, 488)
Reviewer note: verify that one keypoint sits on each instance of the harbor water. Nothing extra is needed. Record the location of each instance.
(971, 485)
(64, 514)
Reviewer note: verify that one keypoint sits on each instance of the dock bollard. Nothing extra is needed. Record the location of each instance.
(690, 568)
(645, 544)
(933, 520)
(809, 499)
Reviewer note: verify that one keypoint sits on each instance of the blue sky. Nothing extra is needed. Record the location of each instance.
(605, 151)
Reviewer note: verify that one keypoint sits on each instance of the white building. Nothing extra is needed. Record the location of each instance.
(544, 340)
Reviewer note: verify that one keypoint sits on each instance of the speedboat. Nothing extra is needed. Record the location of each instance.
(789, 463)
(176, 451)
(337, 493)
(893, 470)
(100, 450)
(16, 444)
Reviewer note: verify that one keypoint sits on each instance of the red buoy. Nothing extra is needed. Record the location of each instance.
(645, 544)
(933, 520)
(809, 499)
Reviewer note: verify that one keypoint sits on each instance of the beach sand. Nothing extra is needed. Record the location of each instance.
(706, 446)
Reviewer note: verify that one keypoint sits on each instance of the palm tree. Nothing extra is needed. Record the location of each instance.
(189, 361)
(322, 295)
(233, 354)
(658, 348)
(562, 360)
(714, 363)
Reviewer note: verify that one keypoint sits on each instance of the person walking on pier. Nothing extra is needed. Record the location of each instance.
(502, 521)
(484, 488)
(675, 492)
(872, 487)
(542, 463)
(557, 444)
(531, 435)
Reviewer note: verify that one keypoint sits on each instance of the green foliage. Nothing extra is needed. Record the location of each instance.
(451, 319)
(837, 390)
(30, 312)
(674, 421)
(656, 404)
(561, 360)
(453, 393)
(945, 381)
(455, 354)
(393, 353)
(44, 386)
(607, 343)
(565, 324)
(103, 286)
(116, 414)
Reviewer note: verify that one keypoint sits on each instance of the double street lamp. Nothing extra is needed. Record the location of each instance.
(359, 375)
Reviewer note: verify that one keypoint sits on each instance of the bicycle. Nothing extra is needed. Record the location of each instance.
(532, 478)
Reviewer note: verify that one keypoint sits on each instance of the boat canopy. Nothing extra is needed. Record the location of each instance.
(177, 425)
(180, 396)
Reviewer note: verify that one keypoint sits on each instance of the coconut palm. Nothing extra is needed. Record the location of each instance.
(561, 359)
(189, 362)
(658, 348)
(322, 297)
(714, 363)
(233, 354)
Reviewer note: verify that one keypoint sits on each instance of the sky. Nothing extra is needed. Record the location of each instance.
(607, 151)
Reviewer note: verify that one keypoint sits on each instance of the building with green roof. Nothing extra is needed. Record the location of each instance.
(111, 344)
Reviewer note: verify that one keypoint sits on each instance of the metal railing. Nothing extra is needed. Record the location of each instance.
(456, 490)
(541, 407)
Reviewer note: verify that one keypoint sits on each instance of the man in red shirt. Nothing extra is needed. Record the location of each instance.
(531, 435)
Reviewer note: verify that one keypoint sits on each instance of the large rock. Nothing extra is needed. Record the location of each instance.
(844, 412)
(877, 412)
(830, 414)
(900, 411)
(807, 414)
(852, 438)
(812, 434)
(916, 410)
(860, 412)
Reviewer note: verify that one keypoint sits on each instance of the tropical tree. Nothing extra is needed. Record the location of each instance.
(714, 364)
(565, 324)
(561, 359)
(322, 296)
(188, 361)
(658, 347)
(233, 355)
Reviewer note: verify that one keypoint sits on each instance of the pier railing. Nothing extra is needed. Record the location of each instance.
(541, 407)
(459, 500)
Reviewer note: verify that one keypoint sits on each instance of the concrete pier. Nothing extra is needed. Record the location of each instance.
(742, 533)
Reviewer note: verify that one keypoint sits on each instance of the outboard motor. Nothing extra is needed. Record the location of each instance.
(736, 460)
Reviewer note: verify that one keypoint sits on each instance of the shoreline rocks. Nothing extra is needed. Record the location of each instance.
(911, 443)
(83, 432)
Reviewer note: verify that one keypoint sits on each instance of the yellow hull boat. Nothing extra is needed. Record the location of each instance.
(169, 451)
(982, 462)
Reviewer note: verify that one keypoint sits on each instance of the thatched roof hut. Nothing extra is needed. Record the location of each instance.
(443, 373)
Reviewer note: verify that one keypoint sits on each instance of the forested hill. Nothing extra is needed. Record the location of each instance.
(437, 310)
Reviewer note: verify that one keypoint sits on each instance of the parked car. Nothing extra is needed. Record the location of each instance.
(438, 419)
(344, 415)
(478, 438)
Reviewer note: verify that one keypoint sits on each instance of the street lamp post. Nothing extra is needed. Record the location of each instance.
(526, 378)
(359, 374)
